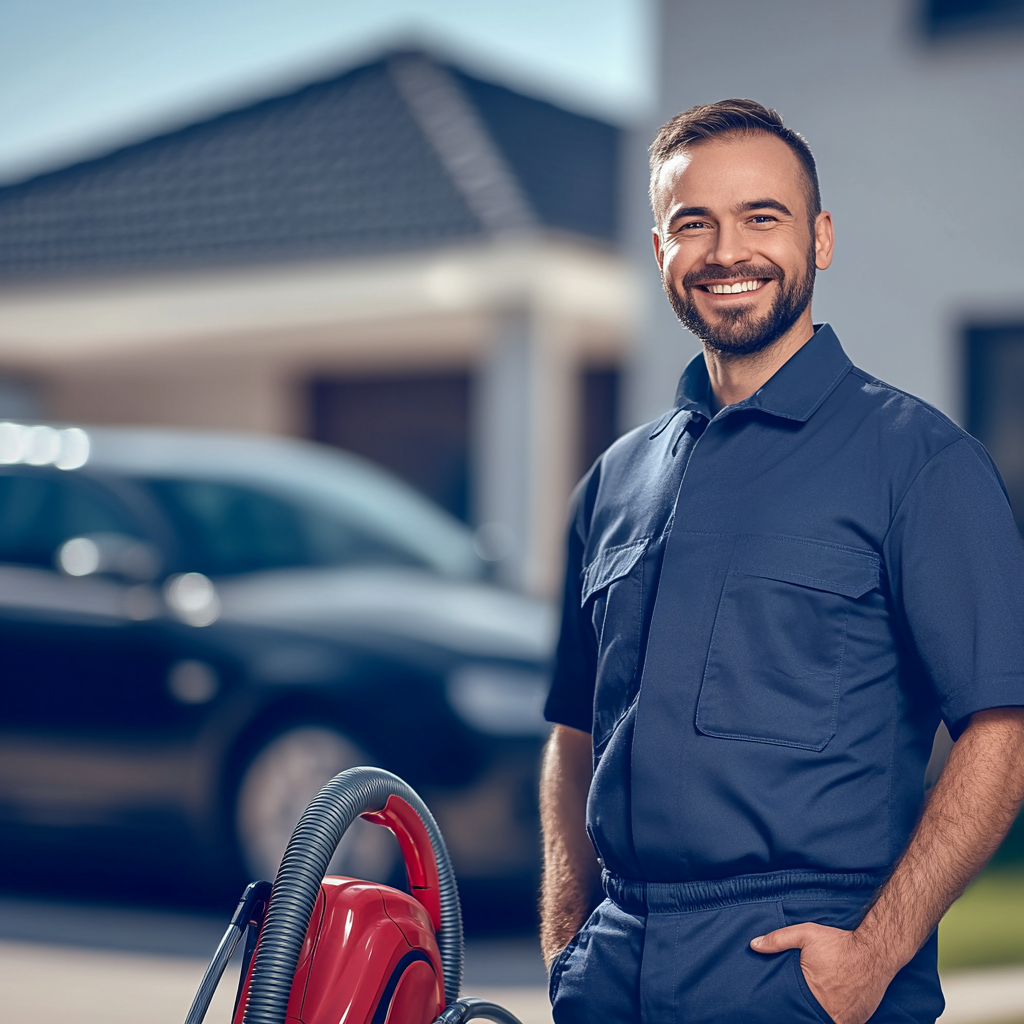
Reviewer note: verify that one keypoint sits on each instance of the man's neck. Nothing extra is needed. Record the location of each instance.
(735, 378)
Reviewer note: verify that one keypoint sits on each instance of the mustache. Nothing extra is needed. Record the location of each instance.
(765, 271)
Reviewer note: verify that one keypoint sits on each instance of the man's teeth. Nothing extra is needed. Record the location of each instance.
(733, 289)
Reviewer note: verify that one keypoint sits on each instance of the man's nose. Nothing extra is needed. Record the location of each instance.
(729, 248)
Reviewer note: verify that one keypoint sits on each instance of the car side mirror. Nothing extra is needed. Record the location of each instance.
(112, 554)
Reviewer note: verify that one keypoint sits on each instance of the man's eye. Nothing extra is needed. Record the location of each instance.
(691, 224)
(763, 218)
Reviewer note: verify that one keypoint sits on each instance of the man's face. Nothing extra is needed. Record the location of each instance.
(734, 243)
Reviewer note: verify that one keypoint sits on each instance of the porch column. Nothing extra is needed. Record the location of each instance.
(526, 427)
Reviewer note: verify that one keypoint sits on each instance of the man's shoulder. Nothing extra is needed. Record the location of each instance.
(629, 472)
(632, 450)
(639, 438)
(904, 417)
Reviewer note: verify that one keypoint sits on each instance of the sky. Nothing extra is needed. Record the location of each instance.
(80, 77)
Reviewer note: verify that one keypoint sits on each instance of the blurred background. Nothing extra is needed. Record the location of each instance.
(311, 315)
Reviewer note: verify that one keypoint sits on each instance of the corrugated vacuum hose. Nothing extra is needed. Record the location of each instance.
(281, 924)
(297, 885)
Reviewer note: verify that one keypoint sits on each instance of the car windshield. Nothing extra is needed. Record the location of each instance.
(250, 502)
(40, 510)
(225, 529)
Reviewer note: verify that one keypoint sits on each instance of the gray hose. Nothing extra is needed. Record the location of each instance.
(297, 885)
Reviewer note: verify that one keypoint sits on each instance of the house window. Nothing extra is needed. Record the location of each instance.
(600, 413)
(951, 17)
(995, 402)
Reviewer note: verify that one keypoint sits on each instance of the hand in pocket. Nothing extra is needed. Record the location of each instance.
(845, 975)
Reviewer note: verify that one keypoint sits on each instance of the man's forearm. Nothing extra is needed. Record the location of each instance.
(970, 810)
(571, 871)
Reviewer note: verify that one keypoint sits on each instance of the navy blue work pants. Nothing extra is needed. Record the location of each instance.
(662, 953)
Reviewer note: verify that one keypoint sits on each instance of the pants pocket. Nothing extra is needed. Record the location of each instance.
(699, 968)
(913, 996)
(558, 967)
(596, 977)
(805, 989)
(559, 964)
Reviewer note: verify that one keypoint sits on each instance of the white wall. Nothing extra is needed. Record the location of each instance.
(920, 151)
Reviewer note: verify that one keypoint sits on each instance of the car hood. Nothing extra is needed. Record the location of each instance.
(477, 619)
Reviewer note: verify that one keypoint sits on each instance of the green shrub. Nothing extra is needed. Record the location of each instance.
(985, 927)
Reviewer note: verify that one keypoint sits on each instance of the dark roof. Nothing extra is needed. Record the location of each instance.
(402, 153)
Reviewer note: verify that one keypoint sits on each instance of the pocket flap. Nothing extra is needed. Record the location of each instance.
(611, 564)
(808, 563)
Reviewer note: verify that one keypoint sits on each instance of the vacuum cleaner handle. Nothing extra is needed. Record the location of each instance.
(417, 851)
(310, 849)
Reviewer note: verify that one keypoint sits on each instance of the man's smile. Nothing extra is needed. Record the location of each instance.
(733, 287)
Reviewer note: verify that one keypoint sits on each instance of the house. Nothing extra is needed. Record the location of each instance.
(913, 110)
(404, 260)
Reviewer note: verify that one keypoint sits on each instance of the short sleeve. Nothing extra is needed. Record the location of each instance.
(571, 698)
(955, 561)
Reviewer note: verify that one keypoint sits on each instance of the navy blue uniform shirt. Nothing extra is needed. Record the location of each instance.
(766, 614)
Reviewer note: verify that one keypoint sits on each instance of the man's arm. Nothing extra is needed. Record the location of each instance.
(571, 871)
(971, 808)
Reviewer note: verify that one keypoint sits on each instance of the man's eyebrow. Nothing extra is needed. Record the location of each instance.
(689, 211)
(763, 204)
(755, 204)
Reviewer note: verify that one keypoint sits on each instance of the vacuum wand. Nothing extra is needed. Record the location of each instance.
(248, 917)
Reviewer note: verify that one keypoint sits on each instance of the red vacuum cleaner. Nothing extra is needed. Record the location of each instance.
(333, 950)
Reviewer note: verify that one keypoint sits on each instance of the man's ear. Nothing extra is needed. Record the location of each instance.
(824, 240)
(658, 254)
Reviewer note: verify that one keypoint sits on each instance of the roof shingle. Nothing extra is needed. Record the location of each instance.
(336, 168)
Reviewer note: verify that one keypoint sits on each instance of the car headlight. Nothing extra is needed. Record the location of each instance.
(500, 701)
(193, 598)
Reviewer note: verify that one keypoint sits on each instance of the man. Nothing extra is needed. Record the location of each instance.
(774, 595)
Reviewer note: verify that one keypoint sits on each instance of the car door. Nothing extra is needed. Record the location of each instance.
(87, 726)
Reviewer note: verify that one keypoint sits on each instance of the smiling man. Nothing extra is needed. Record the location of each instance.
(774, 595)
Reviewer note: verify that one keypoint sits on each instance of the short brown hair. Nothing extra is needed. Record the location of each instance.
(732, 117)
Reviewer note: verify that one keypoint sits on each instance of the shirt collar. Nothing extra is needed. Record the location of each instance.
(795, 391)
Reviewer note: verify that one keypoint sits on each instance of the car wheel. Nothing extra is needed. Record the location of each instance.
(277, 785)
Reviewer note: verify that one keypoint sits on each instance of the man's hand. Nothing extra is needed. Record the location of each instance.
(842, 971)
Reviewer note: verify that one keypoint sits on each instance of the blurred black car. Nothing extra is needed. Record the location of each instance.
(197, 630)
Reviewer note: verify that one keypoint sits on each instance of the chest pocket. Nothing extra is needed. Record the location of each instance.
(613, 587)
(774, 667)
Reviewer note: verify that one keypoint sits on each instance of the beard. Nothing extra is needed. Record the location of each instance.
(739, 332)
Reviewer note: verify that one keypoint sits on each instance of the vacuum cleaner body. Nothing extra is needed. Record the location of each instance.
(333, 950)
(370, 954)
(369, 957)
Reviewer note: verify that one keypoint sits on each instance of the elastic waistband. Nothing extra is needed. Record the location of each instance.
(641, 897)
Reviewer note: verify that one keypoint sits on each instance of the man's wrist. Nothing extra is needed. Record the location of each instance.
(879, 953)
